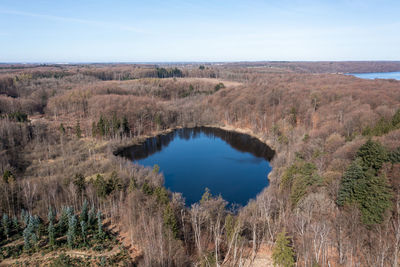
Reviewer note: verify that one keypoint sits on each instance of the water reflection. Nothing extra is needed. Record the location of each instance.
(238, 141)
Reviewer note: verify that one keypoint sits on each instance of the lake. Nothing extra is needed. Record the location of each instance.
(377, 75)
(230, 164)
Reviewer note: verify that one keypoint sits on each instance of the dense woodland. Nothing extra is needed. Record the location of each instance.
(334, 193)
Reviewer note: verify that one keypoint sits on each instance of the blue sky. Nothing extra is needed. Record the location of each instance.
(219, 30)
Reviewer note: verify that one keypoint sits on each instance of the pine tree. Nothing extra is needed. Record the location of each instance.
(52, 233)
(84, 231)
(51, 215)
(115, 124)
(80, 184)
(372, 154)
(91, 217)
(374, 197)
(62, 225)
(283, 254)
(370, 192)
(84, 213)
(348, 183)
(28, 234)
(132, 184)
(125, 126)
(101, 127)
(100, 232)
(114, 183)
(5, 222)
(24, 217)
(206, 196)
(396, 119)
(71, 234)
(15, 224)
(394, 156)
(50, 229)
(170, 220)
(101, 186)
(36, 229)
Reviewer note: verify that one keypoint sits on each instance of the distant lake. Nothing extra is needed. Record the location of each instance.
(230, 164)
(377, 75)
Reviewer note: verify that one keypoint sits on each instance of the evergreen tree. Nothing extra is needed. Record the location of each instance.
(5, 223)
(27, 237)
(80, 183)
(100, 232)
(132, 184)
(8, 176)
(94, 129)
(147, 189)
(114, 183)
(170, 220)
(34, 240)
(158, 120)
(28, 234)
(372, 154)
(374, 197)
(219, 86)
(370, 192)
(396, 119)
(78, 130)
(62, 129)
(156, 168)
(125, 126)
(52, 233)
(84, 213)
(63, 221)
(161, 195)
(282, 253)
(91, 217)
(36, 228)
(115, 123)
(84, 230)
(394, 156)
(206, 196)
(51, 229)
(24, 217)
(348, 183)
(101, 126)
(15, 224)
(101, 186)
(51, 215)
(71, 234)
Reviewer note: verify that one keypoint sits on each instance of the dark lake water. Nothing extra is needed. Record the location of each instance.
(378, 75)
(192, 159)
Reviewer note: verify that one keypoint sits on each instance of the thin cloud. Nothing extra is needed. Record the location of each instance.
(73, 20)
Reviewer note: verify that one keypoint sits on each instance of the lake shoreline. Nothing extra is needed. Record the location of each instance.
(229, 128)
(144, 148)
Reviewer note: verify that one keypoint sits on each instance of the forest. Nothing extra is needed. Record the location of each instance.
(67, 200)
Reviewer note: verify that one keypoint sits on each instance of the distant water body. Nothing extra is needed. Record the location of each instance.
(377, 75)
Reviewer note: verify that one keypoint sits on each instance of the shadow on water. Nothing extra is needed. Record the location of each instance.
(238, 141)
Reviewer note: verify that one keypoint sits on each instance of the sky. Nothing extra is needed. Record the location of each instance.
(198, 30)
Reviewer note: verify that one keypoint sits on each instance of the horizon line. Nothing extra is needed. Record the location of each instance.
(182, 62)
